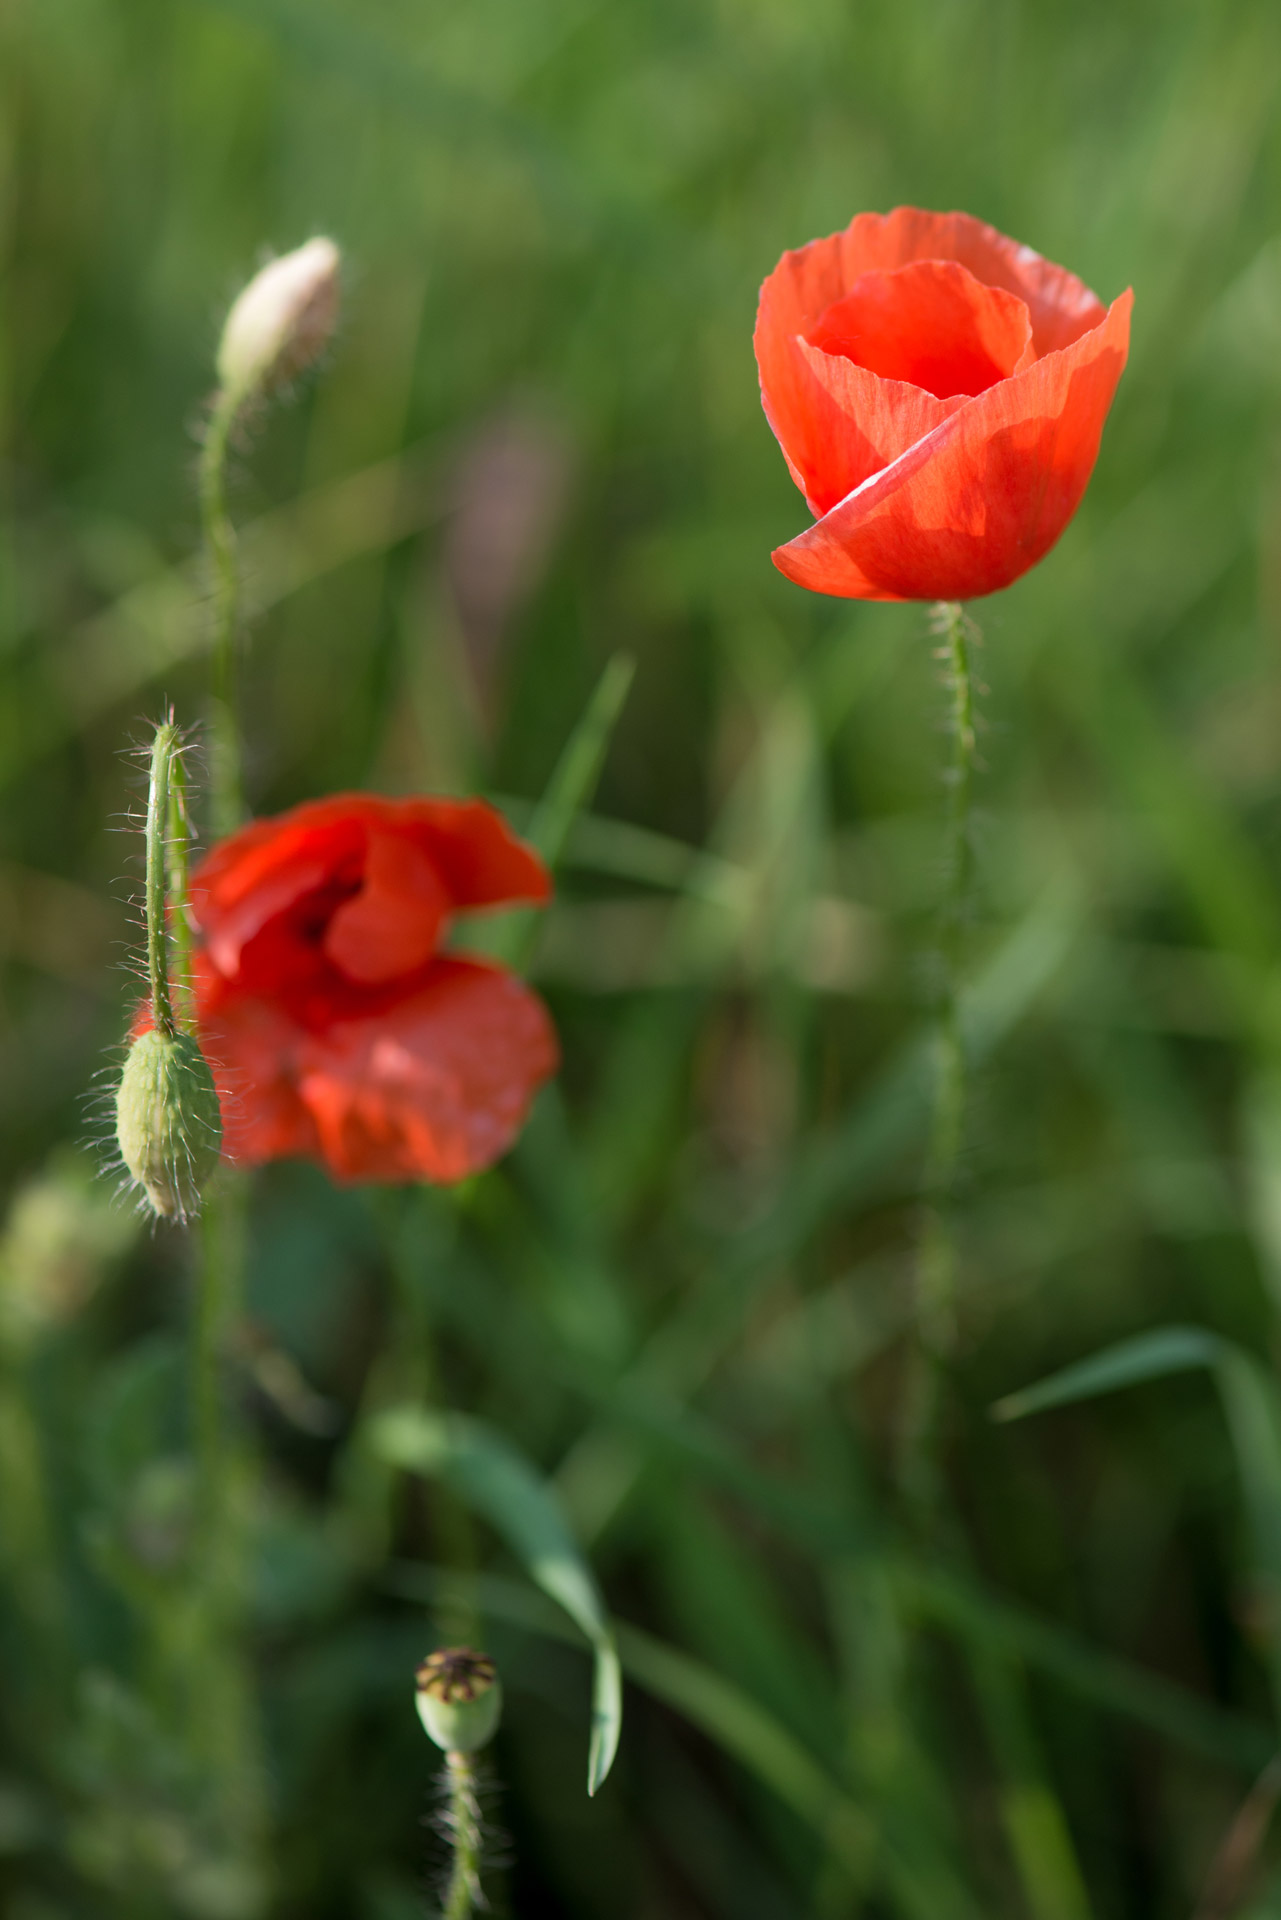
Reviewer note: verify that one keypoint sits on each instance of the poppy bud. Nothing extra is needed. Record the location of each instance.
(167, 1121)
(281, 323)
(460, 1698)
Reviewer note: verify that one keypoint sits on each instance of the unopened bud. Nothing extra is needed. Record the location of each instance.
(459, 1697)
(167, 1121)
(281, 323)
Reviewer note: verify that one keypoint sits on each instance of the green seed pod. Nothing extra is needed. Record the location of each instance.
(167, 1121)
(460, 1698)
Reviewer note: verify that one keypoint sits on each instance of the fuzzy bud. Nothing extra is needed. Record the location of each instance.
(281, 323)
(167, 1121)
(460, 1698)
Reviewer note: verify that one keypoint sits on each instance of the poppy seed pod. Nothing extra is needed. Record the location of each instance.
(281, 323)
(167, 1121)
(459, 1698)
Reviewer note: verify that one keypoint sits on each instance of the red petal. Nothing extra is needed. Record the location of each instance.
(393, 925)
(431, 1087)
(262, 871)
(435, 1088)
(482, 861)
(981, 498)
(830, 448)
(252, 1047)
(858, 423)
(256, 875)
(931, 324)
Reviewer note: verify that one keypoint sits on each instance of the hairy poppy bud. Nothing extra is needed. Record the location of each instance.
(167, 1121)
(460, 1698)
(281, 323)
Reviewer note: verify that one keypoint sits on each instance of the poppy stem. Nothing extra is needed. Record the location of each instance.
(177, 883)
(462, 1823)
(164, 751)
(936, 1263)
(220, 555)
(224, 1731)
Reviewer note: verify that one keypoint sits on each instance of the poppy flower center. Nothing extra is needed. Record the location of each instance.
(931, 324)
(377, 916)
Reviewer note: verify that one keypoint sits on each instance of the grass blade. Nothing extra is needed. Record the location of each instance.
(576, 773)
(486, 1471)
(1251, 1407)
(1149, 1356)
(568, 793)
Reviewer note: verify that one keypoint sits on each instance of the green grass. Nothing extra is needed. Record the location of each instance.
(684, 1300)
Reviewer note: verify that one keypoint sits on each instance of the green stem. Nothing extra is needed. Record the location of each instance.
(217, 1304)
(936, 1268)
(218, 1281)
(936, 1263)
(464, 1894)
(220, 552)
(177, 880)
(224, 1732)
(164, 750)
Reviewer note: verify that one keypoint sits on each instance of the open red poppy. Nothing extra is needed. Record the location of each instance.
(336, 1027)
(939, 393)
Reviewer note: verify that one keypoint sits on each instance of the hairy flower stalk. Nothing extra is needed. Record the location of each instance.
(464, 1893)
(936, 1254)
(937, 1269)
(178, 888)
(167, 1119)
(459, 1699)
(278, 326)
(224, 582)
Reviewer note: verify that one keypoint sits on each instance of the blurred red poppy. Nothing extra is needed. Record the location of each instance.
(336, 1027)
(939, 394)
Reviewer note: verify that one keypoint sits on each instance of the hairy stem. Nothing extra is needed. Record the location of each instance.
(463, 1823)
(217, 1307)
(177, 882)
(936, 1270)
(224, 1730)
(936, 1262)
(220, 553)
(164, 750)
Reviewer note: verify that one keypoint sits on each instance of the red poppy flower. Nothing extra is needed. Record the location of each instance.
(336, 1026)
(939, 394)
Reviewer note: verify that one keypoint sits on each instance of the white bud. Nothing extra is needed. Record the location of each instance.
(282, 322)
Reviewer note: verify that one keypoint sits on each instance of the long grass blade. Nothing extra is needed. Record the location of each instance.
(485, 1470)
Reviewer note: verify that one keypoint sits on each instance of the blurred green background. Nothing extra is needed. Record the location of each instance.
(687, 1294)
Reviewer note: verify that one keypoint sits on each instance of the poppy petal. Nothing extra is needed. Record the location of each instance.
(434, 1088)
(333, 1027)
(481, 860)
(983, 496)
(931, 324)
(863, 422)
(1061, 306)
(252, 1047)
(830, 446)
(257, 874)
(394, 924)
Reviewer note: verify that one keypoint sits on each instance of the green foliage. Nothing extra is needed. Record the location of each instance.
(536, 453)
(494, 1479)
